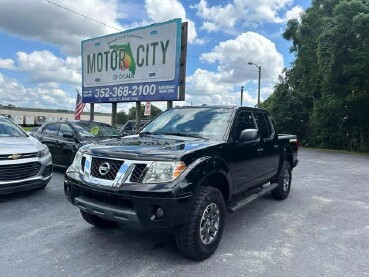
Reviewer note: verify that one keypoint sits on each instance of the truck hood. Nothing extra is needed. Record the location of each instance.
(19, 145)
(152, 147)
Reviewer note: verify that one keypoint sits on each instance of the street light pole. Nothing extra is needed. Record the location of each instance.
(259, 87)
(241, 94)
(259, 67)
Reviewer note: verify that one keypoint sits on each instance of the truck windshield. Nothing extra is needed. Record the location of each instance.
(210, 123)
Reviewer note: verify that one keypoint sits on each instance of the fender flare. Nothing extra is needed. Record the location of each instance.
(201, 170)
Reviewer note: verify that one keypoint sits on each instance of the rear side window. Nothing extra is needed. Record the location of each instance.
(265, 126)
(52, 129)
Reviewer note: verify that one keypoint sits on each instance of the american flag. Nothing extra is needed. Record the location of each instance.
(79, 107)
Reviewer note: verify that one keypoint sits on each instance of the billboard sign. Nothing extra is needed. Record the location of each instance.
(136, 65)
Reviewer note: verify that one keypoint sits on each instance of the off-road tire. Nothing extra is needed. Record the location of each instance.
(283, 178)
(98, 221)
(188, 238)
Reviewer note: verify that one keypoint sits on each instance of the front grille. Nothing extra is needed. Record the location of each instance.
(22, 156)
(19, 171)
(137, 172)
(111, 173)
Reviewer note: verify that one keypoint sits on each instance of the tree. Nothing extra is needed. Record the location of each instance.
(122, 117)
(327, 87)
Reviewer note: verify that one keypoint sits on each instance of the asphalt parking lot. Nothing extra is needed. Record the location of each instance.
(322, 229)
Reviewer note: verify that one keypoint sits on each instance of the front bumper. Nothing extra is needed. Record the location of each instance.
(38, 180)
(128, 207)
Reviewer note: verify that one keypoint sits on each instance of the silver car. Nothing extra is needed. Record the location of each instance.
(25, 163)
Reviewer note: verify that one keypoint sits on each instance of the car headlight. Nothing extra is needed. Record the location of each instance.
(163, 172)
(77, 162)
(43, 153)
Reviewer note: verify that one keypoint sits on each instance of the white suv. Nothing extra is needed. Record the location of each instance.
(25, 163)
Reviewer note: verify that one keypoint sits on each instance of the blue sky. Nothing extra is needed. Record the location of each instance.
(40, 63)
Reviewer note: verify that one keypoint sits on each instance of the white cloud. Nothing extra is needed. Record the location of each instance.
(295, 12)
(205, 87)
(40, 20)
(45, 67)
(163, 10)
(11, 92)
(6, 63)
(223, 86)
(243, 12)
(236, 54)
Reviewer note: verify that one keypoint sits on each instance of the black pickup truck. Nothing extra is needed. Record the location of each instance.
(183, 171)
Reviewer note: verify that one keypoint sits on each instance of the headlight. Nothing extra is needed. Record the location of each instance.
(163, 172)
(43, 153)
(77, 162)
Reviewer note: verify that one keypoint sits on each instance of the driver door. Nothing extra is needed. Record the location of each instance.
(247, 161)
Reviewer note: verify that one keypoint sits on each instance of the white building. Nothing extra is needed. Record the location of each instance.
(34, 116)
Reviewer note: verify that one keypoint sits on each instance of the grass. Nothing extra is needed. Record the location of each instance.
(27, 128)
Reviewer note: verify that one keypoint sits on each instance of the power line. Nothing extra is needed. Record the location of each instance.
(85, 16)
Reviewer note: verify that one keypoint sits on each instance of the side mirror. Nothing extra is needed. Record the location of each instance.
(68, 135)
(249, 135)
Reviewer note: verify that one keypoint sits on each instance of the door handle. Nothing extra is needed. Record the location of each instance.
(260, 150)
(276, 146)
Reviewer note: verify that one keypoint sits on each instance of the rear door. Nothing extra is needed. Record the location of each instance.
(269, 143)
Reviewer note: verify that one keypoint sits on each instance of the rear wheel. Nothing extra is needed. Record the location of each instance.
(284, 179)
(98, 221)
(200, 236)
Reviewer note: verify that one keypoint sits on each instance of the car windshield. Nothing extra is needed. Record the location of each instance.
(10, 129)
(210, 123)
(94, 129)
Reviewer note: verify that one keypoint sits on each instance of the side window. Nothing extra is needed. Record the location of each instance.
(263, 123)
(244, 121)
(65, 128)
(52, 129)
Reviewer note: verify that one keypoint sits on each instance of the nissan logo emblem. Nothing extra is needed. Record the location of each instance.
(104, 169)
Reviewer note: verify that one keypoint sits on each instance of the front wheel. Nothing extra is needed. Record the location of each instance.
(284, 179)
(200, 236)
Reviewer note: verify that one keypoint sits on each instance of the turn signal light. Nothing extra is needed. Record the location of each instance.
(179, 167)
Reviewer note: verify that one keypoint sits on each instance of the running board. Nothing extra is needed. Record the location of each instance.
(265, 189)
